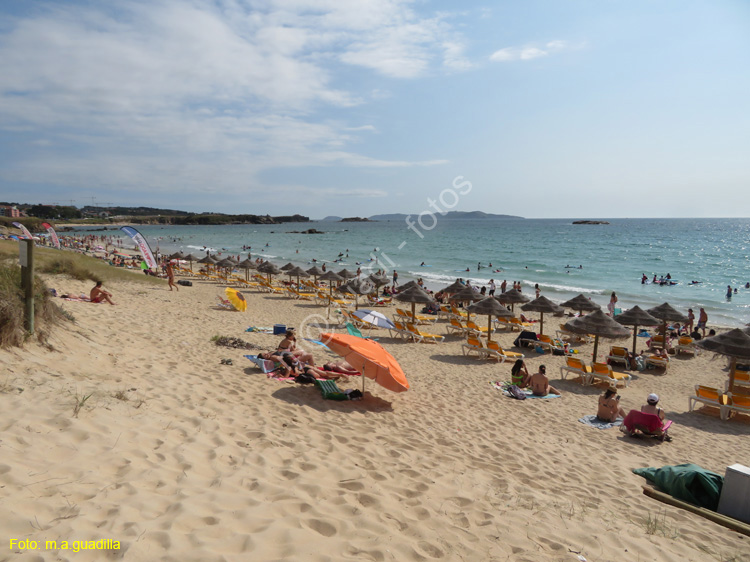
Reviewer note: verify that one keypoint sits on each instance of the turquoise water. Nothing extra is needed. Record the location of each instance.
(713, 251)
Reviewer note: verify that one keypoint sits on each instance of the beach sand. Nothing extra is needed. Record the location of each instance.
(179, 457)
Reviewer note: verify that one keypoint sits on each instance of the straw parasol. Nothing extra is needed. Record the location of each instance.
(268, 268)
(226, 264)
(666, 313)
(331, 276)
(346, 274)
(581, 303)
(635, 317)
(177, 256)
(316, 272)
(512, 297)
(542, 305)
(408, 285)
(378, 281)
(454, 287)
(287, 267)
(466, 294)
(297, 272)
(247, 265)
(358, 287)
(600, 325)
(414, 295)
(490, 307)
(208, 260)
(191, 258)
(734, 343)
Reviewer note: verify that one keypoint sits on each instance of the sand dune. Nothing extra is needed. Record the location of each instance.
(179, 457)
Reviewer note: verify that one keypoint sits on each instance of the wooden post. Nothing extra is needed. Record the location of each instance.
(26, 258)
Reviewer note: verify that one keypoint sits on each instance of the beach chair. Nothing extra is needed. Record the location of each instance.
(603, 372)
(455, 327)
(741, 378)
(548, 343)
(458, 312)
(378, 301)
(445, 312)
(354, 331)
(474, 345)
(492, 345)
(476, 330)
(400, 330)
(415, 319)
(735, 403)
(330, 390)
(686, 345)
(619, 354)
(659, 362)
(637, 422)
(575, 366)
(656, 342)
(424, 337)
(705, 395)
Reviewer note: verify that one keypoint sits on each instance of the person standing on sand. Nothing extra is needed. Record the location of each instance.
(170, 276)
(690, 322)
(702, 321)
(492, 287)
(612, 304)
(98, 294)
(395, 278)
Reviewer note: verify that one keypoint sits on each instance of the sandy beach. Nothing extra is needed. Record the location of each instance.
(179, 457)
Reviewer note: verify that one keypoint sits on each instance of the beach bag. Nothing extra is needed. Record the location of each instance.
(516, 392)
(304, 378)
(185, 283)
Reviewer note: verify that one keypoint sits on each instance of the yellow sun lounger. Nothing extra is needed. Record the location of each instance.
(604, 372)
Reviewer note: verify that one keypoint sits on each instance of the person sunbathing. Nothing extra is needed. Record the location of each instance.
(319, 373)
(281, 366)
(98, 294)
(540, 385)
(519, 375)
(609, 406)
(340, 367)
(289, 344)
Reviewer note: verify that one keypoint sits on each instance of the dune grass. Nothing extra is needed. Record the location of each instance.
(75, 265)
(46, 312)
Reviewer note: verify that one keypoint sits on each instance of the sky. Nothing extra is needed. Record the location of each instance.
(581, 108)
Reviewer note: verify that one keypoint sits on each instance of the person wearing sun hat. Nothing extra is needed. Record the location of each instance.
(651, 406)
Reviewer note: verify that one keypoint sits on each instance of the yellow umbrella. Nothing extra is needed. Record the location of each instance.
(236, 298)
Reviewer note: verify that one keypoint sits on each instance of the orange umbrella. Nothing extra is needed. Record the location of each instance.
(370, 358)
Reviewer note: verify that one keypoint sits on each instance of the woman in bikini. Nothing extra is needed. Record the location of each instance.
(289, 345)
(519, 375)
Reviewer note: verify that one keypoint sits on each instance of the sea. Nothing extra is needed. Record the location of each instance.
(702, 256)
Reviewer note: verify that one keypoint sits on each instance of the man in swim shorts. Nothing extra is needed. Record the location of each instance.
(98, 294)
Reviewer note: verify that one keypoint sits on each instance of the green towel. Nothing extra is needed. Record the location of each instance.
(687, 482)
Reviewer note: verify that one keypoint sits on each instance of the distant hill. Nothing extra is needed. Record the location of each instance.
(331, 218)
(450, 215)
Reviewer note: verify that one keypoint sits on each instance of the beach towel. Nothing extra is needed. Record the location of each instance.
(317, 342)
(593, 421)
(499, 385)
(261, 330)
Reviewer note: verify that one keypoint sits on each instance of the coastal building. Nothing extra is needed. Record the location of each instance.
(8, 211)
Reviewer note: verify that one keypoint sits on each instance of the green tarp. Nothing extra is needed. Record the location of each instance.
(686, 482)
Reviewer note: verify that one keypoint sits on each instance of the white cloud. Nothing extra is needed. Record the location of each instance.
(185, 96)
(529, 52)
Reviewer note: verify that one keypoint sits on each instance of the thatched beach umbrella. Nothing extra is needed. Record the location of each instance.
(378, 281)
(581, 303)
(358, 287)
(287, 267)
(331, 276)
(512, 297)
(316, 272)
(268, 268)
(542, 305)
(177, 256)
(466, 294)
(346, 274)
(454, 287)
(208, 260)
(636, 317)
(734, 343)
(666, 313)
(247, 265)
(408, 285)
(297, 272)
(598, 324)
(414, 295)
(227, 265)
(490, 307)
(191, 258)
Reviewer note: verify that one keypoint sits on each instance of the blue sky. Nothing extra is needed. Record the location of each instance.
(550, 109)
